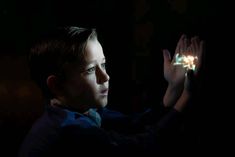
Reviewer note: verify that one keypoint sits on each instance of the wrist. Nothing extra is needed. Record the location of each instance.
(182, 101)
(171, 95)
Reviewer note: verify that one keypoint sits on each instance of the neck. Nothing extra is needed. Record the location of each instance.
(57, 103)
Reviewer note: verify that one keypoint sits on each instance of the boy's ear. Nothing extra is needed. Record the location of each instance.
(53, 84)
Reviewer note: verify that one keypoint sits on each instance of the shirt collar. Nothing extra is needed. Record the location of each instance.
(88, 119)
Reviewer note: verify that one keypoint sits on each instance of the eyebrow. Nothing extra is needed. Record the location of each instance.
(93, 61)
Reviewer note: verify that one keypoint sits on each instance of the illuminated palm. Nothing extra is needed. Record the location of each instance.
(188, 56)
(175, 74)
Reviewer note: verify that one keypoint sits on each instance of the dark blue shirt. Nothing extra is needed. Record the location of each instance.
(64, 132)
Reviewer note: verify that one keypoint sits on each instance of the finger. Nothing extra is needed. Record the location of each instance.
(200, 53)
(201, 49)
(184, 45)
(189, 51)
(179, 44)
(193, 49)
(196, 43)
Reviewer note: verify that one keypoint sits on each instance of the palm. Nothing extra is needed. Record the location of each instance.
(175, 74)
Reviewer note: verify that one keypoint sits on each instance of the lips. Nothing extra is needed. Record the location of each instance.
(104, 91)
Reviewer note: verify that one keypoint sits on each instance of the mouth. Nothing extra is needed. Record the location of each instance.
(104, 91)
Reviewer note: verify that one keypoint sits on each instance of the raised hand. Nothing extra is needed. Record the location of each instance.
(175, 73)
(197, 48)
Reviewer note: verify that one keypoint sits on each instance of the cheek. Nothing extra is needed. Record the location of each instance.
(73, 89)
(89, 87)
(86, 87)
(83, 89)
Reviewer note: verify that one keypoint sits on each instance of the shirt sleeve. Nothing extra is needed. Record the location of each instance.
(98, 139)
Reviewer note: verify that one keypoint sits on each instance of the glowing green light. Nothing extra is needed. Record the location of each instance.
(187, 62)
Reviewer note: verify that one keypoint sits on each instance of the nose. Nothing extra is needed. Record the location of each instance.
(102, 76)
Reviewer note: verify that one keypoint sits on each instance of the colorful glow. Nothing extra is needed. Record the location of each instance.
(187, 61)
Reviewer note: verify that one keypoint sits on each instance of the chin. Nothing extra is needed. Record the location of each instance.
(102, 104)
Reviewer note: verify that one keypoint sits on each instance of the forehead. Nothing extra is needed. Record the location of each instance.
(93, 51)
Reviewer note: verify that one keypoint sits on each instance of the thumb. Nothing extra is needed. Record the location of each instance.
(166, 56)
(190, 75)
(190, 80)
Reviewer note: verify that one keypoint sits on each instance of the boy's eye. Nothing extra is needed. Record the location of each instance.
(91, 70)
(103, 65)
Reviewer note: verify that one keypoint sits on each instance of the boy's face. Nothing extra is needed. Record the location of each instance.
(88, 87)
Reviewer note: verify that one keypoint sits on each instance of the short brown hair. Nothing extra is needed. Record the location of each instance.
(52, 51)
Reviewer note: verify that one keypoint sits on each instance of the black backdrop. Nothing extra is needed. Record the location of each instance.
(132, 34)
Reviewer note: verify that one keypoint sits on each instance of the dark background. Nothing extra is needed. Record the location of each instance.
(132, 33)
